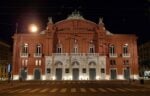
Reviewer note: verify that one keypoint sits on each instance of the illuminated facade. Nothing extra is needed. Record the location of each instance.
(75, 49)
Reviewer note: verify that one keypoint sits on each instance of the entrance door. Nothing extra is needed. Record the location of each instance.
(92, 73)
(23, 74)
(126, 73)
(58, 73)
(113, 74)
(75, 74)
(37, 74)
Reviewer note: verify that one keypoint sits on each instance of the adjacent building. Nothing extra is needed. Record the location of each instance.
(5, 59)
(144, 59)
(75, 49)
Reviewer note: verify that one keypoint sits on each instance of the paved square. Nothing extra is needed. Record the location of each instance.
(75, 88)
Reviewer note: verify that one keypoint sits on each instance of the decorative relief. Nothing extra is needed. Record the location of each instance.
(75, 15)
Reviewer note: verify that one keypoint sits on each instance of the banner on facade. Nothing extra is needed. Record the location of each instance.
(9, 68)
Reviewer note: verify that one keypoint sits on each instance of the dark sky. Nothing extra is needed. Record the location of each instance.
(120, 16)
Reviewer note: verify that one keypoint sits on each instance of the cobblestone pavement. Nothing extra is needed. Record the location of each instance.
(75, 88)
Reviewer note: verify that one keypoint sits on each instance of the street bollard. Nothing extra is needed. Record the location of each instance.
(141, 81)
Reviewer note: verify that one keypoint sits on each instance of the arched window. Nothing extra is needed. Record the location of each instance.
(125, 48)
(24, 48)
(59, 47)
(75, 47)
(91, 47)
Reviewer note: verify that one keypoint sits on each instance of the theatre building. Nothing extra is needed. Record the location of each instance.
(75, 49)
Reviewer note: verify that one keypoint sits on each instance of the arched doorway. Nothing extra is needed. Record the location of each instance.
(92, 70)
(58, 74)
(37, 74)
(23, 74)
(113, 74)
(75, 70)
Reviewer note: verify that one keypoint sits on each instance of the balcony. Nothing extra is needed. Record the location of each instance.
(24, 55)
(77, 54)
(60, 54)
(113, 55)
(92, 54)
(37, 55)
(126, 55)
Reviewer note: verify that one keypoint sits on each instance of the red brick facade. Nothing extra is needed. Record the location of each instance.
(67, 33)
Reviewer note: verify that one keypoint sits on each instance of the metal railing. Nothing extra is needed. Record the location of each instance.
(24, 55)
(113, 55)
(126, 55)
(38, 55)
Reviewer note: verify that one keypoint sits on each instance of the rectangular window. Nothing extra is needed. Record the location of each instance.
(91, 50)
(38, 49)
(102, 70)
(24, 48)
(112, 62)
(75, 50)
(84, 70)
(126, 62)
(125, 49)
(112, 49)
(48, 70)
(67, 70)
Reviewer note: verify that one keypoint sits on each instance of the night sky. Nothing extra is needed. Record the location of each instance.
(120, 16)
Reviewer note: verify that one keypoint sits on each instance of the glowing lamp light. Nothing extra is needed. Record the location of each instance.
(53, 78)
(97, 77)
(33, 28)
(65, 78)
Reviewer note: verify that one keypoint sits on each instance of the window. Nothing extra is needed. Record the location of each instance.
(59, 47)
(91, 47)
(91, 50)
(48, 70)
(102, 70)
(75, 50)
(84, 70)
(125, 49)
(59, 50)
(112, 62)
(112, 49)
(126, 62)
(75, 47)
(24, 48)
(67, 70)
(38, 48)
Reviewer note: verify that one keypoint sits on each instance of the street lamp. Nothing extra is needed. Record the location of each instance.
(33, 28)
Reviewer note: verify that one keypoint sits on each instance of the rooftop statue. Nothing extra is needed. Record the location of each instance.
(50, 20)
(75, 15)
